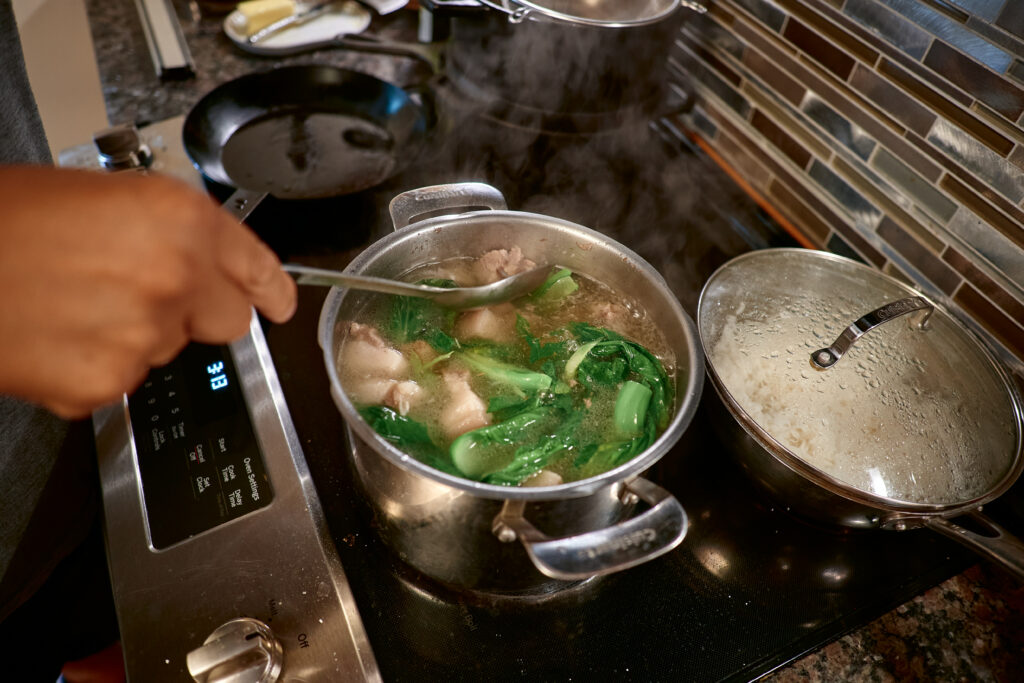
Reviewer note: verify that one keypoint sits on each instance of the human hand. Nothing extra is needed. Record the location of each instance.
(103, 276)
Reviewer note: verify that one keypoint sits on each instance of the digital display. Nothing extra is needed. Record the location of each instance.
(218, 380)
(199, 459)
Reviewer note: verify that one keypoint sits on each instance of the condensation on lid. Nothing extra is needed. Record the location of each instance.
(912, 415)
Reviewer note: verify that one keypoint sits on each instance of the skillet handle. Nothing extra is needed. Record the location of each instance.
(443, 199)
(626, 544)
(362, 42)
(1001, 546)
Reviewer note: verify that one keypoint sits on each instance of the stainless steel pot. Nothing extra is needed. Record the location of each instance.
(461, 532)
(581, 65)
(848, 414)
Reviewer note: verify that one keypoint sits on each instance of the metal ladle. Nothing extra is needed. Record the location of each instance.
(457, 298)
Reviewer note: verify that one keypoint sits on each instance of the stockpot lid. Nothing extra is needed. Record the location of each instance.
(908, 415)
(610, 13)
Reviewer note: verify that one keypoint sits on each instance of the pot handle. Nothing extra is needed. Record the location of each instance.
(442, 199)
(823, 359)
(623, 545)
(1001, 546)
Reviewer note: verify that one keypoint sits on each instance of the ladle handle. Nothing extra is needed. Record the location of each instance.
(652, 533)
(308, 275)
(1001, 546)
(827, 357)
(441, 199)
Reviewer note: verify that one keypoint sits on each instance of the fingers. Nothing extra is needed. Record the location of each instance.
(257, 271)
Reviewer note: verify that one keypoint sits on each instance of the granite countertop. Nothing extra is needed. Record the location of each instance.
(969, 628)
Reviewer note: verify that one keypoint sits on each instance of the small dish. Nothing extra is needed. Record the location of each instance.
(345, 17)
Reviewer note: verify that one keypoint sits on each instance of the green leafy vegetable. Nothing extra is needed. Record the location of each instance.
(529, 460)
(415, 318)
(558, 285)
(631, 408)
(407, 434)
(468, 451)
(519, 378)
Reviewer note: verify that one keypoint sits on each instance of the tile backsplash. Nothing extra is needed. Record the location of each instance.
(891, 131)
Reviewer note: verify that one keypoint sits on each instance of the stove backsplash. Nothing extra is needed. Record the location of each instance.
(889, 131)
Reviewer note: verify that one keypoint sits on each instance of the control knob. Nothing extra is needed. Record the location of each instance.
(239, 651)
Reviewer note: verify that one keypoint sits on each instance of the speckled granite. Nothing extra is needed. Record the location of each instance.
(134, 94)
(969, 628)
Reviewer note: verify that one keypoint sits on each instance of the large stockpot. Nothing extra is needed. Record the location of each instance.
(857, 401)
(462, 532)
(595, 60)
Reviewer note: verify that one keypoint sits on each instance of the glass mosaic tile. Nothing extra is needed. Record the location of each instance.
(850, 135)
(986, 9)
(767, 13)
(991, 245)
(829, 30)
(993, 90)
(1014, 307)
(860, 209)
(1006, 330)
(922, 259)
(923, 193)
(780, 139)
(1003, 176)
(819, 48)
(953, 33)
(1012, 18)
(895, 29)
(899, 104)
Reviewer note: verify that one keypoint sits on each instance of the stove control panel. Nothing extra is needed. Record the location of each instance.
(215, 533)
(199, 460)
(240, 651)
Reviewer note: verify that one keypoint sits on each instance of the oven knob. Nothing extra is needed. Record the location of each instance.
(239, 651)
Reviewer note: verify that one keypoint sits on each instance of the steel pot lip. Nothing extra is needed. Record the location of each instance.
(687, 395)
(830, 483)
(542, 8)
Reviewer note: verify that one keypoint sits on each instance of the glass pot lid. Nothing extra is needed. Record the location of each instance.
(914, 415)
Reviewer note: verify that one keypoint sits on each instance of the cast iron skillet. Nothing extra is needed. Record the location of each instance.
(306, 131)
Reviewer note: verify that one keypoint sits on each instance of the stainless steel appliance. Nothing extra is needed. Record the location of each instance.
(221, 565)
(752, 587)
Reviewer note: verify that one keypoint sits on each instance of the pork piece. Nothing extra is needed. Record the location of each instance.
(464, 410)
(399, 395)
(495, 323)
(422, 350)
(611, 315)
(544, 478)
(379, 373)
(366, 353)
(499, 264)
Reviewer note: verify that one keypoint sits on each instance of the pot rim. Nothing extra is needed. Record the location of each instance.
(687, 395)
(541, 8)
(816, 476)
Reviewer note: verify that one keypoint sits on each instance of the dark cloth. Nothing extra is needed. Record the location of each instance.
(55, 602)
(22, 139)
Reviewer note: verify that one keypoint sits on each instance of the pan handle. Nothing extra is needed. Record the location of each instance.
(443, 199)
(243, 202)
(1002, 547)
(650, 534)
(361, 42)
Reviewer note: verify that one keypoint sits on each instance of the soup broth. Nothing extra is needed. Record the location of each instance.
(557, 386)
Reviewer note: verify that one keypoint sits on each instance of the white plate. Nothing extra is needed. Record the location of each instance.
(347, 17)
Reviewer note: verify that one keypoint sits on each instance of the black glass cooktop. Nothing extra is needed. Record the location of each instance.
(752, 586)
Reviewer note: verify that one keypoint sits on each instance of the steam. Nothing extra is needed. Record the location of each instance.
(558, 117)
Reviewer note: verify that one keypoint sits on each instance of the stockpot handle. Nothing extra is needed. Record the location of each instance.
(825, 358)
(626, 544)
(1001, 547)
(443, 198)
